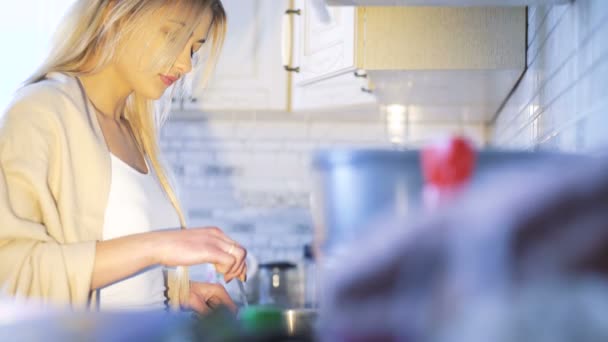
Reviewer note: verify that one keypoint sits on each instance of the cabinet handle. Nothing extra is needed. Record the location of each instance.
(367, 90)
(288, 40)
(360, 73)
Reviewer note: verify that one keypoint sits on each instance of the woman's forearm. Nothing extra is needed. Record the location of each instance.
(120, 258)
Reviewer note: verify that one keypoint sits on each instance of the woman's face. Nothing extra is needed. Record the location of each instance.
(139, 70)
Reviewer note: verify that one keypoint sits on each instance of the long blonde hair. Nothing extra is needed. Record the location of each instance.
(91, 26)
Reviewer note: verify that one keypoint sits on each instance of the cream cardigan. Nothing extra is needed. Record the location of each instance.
(55, 172)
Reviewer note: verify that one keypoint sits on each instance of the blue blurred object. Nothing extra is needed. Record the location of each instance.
(127, 326)
(219, 326)
(354, 187)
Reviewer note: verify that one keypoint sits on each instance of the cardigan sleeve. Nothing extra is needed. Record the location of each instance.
(34, 263)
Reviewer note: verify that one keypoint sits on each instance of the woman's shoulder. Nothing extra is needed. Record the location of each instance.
(54, 99)
(54, 93)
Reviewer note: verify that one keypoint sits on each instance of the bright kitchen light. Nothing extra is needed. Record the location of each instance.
(396, 123)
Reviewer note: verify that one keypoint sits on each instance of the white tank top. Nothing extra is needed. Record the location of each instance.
(136, 204)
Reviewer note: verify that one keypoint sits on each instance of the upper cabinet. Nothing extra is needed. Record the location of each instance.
(323, 49)
(292, 55)
(448, 63)
(321, 58)
(441, 38)
(263, 38)
(249, 74)
(458, 63)
(496, 3)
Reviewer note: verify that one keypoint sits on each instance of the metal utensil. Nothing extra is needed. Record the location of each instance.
(242, 292)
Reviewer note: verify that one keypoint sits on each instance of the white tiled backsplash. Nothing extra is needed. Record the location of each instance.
(249, 173)
(562, 100)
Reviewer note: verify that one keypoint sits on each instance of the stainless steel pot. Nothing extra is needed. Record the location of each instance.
(278, 284)
(299, 321)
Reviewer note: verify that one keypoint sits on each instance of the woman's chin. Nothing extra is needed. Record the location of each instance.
(151, 95)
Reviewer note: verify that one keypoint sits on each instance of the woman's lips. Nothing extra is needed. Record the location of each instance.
(168, 80)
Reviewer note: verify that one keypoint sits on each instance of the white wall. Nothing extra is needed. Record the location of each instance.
(562, 101)
(26, 27)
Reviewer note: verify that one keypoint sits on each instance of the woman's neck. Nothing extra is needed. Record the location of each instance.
(107, 91)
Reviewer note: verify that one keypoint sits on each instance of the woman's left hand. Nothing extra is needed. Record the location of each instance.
(206, 297)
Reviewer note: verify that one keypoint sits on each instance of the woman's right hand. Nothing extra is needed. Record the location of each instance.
(187, 247)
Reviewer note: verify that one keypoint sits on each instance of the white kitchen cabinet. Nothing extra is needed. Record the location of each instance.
(249, 74)
(499, 3)
(323, 64)
(323, 49)
(343, 92)
(444, 63)
(448, 63)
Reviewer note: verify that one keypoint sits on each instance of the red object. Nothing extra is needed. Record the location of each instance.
(447, 165)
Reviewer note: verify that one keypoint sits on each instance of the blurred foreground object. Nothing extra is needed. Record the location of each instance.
(540, 227)
(254, 324)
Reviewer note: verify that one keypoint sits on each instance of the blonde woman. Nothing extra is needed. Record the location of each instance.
(86, 209)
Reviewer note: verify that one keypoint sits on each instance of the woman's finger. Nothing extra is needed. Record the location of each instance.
(236, 252)
(230, 247)
(239, 254)
(218, 233)
(216, 295)
(197, 303)
(241, 273)
(222, 260)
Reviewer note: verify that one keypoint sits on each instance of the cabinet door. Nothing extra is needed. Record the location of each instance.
(249, 74)
(325, 57)
(335, 94)
(323, 50)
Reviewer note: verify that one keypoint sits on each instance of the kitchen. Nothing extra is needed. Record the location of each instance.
(241, 149)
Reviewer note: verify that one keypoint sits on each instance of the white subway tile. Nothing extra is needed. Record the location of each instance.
(564, 84)
(233, 157)
(220, 145)
(245, 129)
(596, 127)
(215, 129)
(299, 146)
(277, 130)
(194, 145)
(201, 157)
